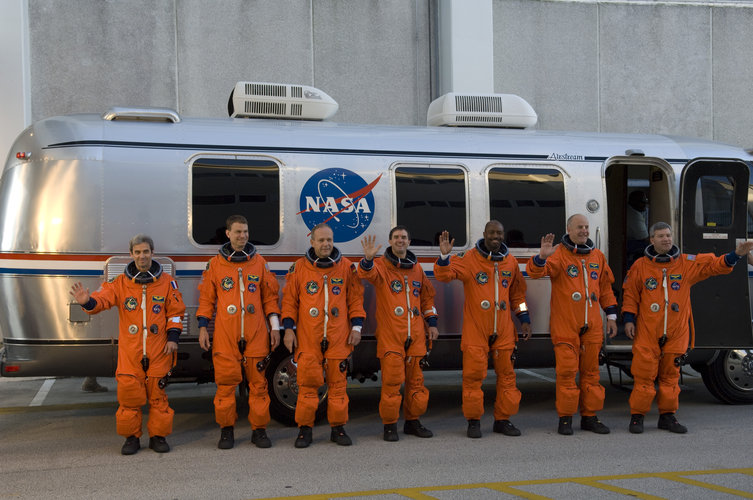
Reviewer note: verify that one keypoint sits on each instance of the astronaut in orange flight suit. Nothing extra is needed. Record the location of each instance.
(657, 313)
(581, 282)
(494, 288)
(405, 309)
(150, 311)
(322, 300)
(238, 284)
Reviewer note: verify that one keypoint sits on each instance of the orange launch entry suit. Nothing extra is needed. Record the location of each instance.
(150, 311)
(494, 288)
(581, 282)
(322, 296)
(659, 285)
(243, 291)
(405, 298)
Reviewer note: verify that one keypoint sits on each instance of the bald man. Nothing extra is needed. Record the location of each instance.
(581, 287)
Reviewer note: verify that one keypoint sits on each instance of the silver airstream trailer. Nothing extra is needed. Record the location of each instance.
(75, 188)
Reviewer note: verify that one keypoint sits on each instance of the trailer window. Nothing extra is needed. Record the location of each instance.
(224, 187)
(431, 200)
(714, 201)
(529, 202)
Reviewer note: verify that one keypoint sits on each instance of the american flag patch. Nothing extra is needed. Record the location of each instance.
(174, 284)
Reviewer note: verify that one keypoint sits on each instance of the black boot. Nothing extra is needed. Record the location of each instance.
(474, 429)
(131, 445)
(593, 424)
(260, 439)
(227, 438)
(636, 423)
(304, 437)
(415, 428)
(390, 432)
(668, 422)
(159, 444)
(339, 436)
(565, 426)
(505, 427)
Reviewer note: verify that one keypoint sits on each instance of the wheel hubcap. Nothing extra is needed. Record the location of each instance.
(285, 383)
(738, 368)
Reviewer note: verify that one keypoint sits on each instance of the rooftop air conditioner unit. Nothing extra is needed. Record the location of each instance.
(481, 110)
(279, 100)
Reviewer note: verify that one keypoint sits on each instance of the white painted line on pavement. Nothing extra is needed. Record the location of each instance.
(42, 392)
(534, 374)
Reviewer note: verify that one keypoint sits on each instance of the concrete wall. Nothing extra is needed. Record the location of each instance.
(15, 94)
(372, 57)
(679, 67)
(668, 67)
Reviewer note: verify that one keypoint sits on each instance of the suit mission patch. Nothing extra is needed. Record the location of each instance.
(227, 283)
(572, 271)
(131, 304)
(675, 279)
(312, 287)
(651, 283)
(396, 286)
(482, 278)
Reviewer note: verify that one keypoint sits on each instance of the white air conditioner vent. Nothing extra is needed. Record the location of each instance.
(479, 119)
(483, 110)
(471, 103)
(266, 89)
(265, 108)
(279, 100)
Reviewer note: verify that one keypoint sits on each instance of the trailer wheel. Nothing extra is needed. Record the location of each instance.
(282, 386)
(729, 377)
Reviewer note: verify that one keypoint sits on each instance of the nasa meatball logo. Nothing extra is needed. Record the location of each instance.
(342, 199)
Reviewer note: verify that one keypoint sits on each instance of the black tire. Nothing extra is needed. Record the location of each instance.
(283, 389)
(729, 377)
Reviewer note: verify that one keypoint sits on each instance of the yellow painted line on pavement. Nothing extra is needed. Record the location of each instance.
(709, 486)
(616, 489)
(515, 492)
(424, 493)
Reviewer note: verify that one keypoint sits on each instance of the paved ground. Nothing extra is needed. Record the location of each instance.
(57, 442)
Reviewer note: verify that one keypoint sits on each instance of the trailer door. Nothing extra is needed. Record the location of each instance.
(713, 201)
